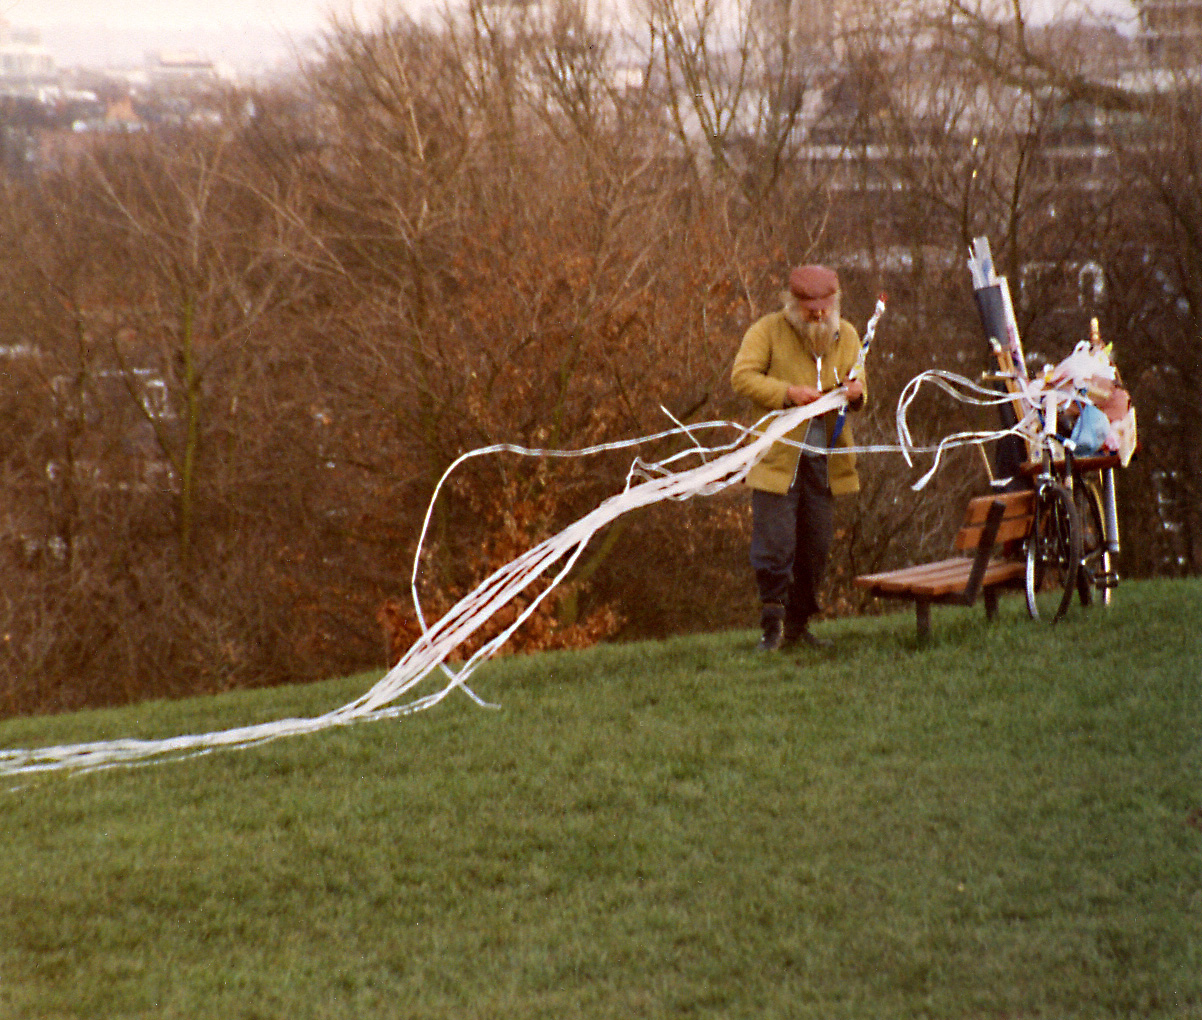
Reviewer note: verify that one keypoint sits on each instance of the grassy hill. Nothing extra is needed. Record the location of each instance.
(1006, 823)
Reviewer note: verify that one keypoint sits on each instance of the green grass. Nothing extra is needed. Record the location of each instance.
(997, 825)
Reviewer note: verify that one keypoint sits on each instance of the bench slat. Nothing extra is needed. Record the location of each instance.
(1008, 530)
(932, 580)
(995, 573)
(924, 574)
(1016, 504)
(869, 580)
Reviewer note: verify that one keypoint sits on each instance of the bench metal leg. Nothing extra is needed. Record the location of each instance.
(990, 604)
(923, 609)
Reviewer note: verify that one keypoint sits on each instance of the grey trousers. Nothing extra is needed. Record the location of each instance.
(791, 541)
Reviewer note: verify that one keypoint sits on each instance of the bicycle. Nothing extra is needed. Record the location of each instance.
(1074, 541)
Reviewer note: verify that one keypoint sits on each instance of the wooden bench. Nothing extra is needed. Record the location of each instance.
(988, 521)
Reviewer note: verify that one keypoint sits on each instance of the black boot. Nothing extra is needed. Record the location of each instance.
(796, 633)
(772, 620)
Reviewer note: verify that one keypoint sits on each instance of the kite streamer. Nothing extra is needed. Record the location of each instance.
(647, 483)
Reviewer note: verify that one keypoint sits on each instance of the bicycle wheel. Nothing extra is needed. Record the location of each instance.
(1053, 553)
(1094, 572)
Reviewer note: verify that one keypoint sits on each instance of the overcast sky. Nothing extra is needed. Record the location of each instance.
(239, 32)
(291, 15)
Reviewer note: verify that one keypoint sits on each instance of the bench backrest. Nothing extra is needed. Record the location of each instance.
(1015, 524)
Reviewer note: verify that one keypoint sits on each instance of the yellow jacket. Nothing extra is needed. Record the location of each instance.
(772, 358)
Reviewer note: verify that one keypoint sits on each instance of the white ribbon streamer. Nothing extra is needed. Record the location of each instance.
(646, 484)
(437, 642)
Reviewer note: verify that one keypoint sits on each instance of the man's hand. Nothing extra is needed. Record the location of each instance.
(799, 396)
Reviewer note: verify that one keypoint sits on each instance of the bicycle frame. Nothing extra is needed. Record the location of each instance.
(1083, 521)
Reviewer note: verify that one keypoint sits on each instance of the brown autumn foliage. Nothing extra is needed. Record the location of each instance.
(238, 357)
(517, 520)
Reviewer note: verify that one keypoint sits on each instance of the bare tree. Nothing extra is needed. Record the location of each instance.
(1127, 204)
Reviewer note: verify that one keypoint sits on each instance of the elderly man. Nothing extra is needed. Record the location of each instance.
(789, 358)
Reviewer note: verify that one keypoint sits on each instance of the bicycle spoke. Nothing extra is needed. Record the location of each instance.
(1053, 553)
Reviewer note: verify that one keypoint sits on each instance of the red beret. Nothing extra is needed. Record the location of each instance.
(816, 287)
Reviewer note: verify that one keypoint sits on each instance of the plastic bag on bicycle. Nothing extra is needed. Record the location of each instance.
(1090, 432)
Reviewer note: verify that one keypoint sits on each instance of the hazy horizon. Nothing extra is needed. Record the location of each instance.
(242, 33)
(249, 33)
(155, 15)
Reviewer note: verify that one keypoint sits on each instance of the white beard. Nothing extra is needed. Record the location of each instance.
(817, 337)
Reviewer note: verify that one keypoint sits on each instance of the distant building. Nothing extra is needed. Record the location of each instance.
(818, 28)
(24, 62)
(1172, 31)
(180, 67)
